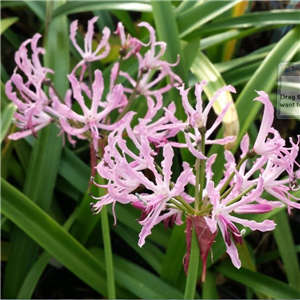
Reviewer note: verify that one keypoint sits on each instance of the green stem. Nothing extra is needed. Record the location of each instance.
(89, 64)
(108, 254)
(119, 69)
(131, 98)
(241, 195)
(202, 169)
(187, 206)
(178, 205)
(233, 173)
(196, 205)
(191, 281)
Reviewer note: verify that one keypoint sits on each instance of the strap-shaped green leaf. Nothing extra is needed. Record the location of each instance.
(285, 243)
(6, 119)
(259, 282)
(198, 15)
(73, 7)
(52, 237)
(5, 23)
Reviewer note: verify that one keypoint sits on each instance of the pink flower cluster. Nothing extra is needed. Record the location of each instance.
(130, 161)
(36, 108)
(223, 204)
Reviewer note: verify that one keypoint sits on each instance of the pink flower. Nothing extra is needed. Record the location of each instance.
(92, 120)
(197, 119)
(32, 68)
(33, 110)
(221, 217)
(160, 131)
(125, 177)
(263, 145)
(129, 45)
(151, 61)
(88, 55)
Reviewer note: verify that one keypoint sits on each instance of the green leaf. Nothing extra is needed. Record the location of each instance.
(52, 237)
(233, 64)
(69, 167)
(172, 263)
(285, 243)
(198, 15)
(150, 253)
(44, 161)
(264, 79)
(83, 6)
(259, 282)
(6, 119)
(140, 282)
(209, 287)
(278, 17)
(5, 23)
(38, 7)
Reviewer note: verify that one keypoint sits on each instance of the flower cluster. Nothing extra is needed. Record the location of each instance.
(130, 162)
(221, 205)
(36, 108)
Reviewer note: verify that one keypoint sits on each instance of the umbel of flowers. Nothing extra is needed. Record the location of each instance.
(214, 206)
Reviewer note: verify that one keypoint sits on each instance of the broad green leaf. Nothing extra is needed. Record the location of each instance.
(259, 282)
(278, 17)
(44, 161)
(220, 38)
(241, 75)
(247, 260)
(38, 7)
(150, 253)
(4, 99)
(11, 3)
(209, 287)
(285, 243)
(165, 23)
(83, 6)
(6, 119)
(186, 5)
(52, 237)
(203, 69)
(5, 249)
(264, 79)
(125, 18)
(139, 281)
(74, 170)
(272, 255)
(39, 185)
(228, 48)
(5, 23)
(13, 38)
(172, 263)
(198, 15)
(233, 64)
